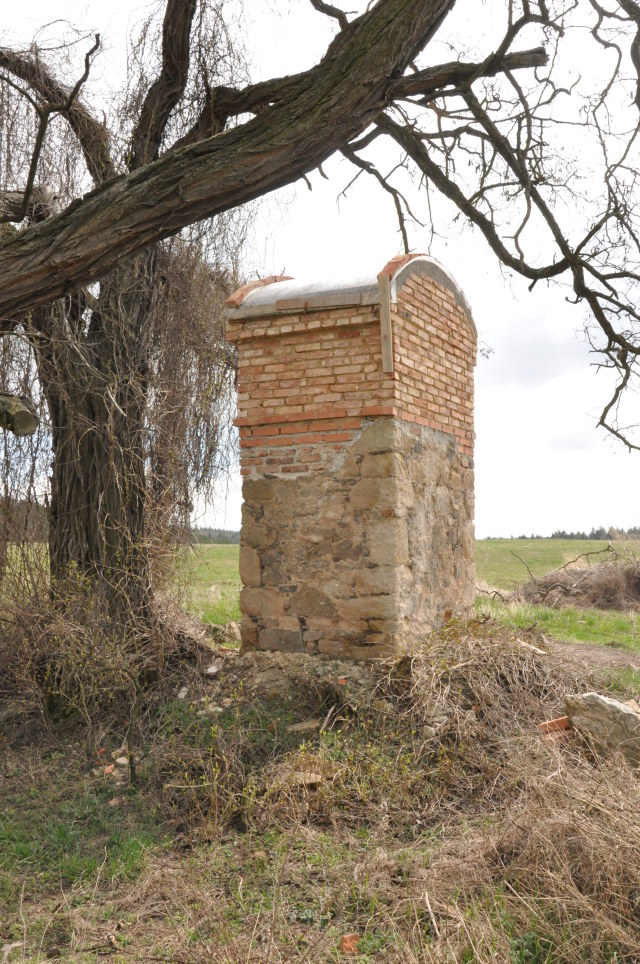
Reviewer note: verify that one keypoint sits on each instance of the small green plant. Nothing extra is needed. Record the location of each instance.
(530, 948)
(373, 943)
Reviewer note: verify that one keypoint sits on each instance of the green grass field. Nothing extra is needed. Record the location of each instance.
(213, 584)
(502, 563)
(602, 627)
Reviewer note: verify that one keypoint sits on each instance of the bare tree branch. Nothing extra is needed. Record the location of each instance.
(91, 134)
(430, 82)
(411, 143)
(331, 11)
(167, 90)
(398, 199)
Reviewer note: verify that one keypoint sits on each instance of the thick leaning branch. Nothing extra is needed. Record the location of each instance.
(222, 103)
(337, 100)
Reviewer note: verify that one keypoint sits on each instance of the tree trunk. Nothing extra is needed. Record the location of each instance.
(95, 381)
(97, 522)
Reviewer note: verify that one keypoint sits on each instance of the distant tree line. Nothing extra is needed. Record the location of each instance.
(600, 533)
(225, 537)
(596, 534)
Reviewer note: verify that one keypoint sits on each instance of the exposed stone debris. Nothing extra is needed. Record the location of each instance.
(607, 722)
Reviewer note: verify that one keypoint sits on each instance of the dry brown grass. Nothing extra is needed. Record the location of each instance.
(429, 817)
(556, 857)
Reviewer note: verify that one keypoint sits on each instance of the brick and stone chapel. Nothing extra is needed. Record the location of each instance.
(355, 410)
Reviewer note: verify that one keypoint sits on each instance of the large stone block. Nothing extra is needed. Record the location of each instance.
(405, 496)
(341, 582)
(257, 534)
(387, 435)
(311, 602)
(285, 640)
(367, 607)
(262, 602)
(250, 566)
(388, 542)
(259, 490)
(374, 493)
(607, 722)
(386, 464)
(378, 436)
(380, 580)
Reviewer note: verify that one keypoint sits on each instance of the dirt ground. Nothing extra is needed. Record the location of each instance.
(591, 657)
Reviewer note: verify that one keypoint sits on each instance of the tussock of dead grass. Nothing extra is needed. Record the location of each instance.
(74, 659)
(550, 852)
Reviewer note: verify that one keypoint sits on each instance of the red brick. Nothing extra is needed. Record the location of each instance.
(379, 410)
(265, 430)
(282, 440)
(248, 442)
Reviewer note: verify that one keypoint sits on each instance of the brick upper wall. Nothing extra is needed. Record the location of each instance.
(323, 361)
(434, 354)
(305, 381)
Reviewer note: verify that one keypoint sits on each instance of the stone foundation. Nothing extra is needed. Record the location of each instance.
(362, 557)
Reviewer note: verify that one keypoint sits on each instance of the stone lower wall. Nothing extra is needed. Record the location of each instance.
(366, 552)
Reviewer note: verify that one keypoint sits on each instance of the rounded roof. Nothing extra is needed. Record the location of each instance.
(276, 294)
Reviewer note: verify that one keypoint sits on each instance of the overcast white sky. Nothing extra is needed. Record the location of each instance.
(540, 462)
